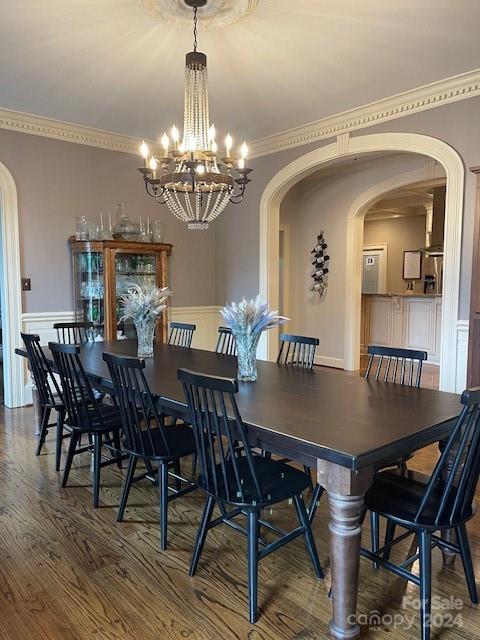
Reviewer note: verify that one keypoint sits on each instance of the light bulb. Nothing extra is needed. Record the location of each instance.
(241, 163)
(228, 144)
(212, 133)
(175, 134)
(165, 142)
(214, 146)
(200, 169)
(181, 148)
(153, 164)
(244, 151)
(144, 150)
(192, 145)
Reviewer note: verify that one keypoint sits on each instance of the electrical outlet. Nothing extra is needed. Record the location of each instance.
(26, 284)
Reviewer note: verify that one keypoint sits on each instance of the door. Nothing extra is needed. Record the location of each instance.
(374, 272)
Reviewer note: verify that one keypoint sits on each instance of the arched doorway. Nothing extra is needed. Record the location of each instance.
(345, 146)
(11, 294)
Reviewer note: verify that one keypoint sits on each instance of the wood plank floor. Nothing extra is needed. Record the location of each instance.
(70, 572)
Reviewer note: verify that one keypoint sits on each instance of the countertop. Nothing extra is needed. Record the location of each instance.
(405, 294)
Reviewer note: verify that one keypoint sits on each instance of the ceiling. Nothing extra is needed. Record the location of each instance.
(114, 65)
(405, 202)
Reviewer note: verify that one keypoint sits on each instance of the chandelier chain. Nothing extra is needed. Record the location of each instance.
(195, 28)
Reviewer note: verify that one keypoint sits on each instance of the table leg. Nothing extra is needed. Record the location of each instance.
(346, 490)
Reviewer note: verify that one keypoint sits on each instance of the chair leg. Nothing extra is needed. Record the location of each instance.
(163, 499)
(252, 553)
(309, 540)
(59, 439)
(315, 499)
(127, 483)
(308, 473)
(201, 534)
(71, 452)
(462, 538)
(389, 536)
(176, 471)
(97, 457)
(194, 464)
(118, 447)
(375, 534)
(43, 429)
(425, 582)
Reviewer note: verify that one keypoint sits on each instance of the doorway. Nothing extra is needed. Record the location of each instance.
(450, 377)
(11, 300)
(402, 307)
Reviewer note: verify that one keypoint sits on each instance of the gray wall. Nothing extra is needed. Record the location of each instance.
(56, 181)
(458, 124)
(313, 205)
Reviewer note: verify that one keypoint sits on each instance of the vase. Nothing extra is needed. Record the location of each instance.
(247, 344)
(145, 335)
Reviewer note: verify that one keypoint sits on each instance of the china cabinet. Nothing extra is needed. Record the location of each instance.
(104, 269)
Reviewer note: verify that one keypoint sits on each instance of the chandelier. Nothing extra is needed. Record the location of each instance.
(190, 177)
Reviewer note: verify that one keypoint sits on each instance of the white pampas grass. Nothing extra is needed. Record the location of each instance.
(251, 316)
(144, 304)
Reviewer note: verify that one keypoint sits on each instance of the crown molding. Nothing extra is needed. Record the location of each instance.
(436, 94)
(68, 132)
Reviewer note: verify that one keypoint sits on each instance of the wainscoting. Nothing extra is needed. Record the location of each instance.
(207, 319)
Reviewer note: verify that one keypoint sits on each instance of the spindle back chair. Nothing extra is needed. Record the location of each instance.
(181, 334)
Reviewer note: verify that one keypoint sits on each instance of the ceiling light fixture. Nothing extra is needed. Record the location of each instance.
(190, 178)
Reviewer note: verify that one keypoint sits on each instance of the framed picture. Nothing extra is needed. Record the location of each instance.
(412, 265)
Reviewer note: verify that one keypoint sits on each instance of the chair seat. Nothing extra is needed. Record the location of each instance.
(398, 497)
(180, 439)
(278, 481)
(111, 419)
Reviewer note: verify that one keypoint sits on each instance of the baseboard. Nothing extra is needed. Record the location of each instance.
(326, 361)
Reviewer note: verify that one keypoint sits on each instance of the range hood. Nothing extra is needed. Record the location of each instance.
(435, 226)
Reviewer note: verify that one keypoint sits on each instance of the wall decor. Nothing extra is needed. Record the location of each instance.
(412, 265)
(320, 262)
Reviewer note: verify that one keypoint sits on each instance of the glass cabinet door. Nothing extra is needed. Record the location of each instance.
(89, 289)
(132, 268)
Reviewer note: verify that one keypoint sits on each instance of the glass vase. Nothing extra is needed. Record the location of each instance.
(247, 344)
(145, 336)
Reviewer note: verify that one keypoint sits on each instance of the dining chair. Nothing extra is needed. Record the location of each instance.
(49, 394)
(298, 351)
(390, 364)
(232, 477)
(399, 366)
(146, 437)
(74, 332)
(425, 506)
(181, 334)
(86, 415)
(226, 342)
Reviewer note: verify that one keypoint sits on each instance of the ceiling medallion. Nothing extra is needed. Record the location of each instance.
(191, 177)
(215, 15)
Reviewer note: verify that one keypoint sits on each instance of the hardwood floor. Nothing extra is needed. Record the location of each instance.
(69, 572)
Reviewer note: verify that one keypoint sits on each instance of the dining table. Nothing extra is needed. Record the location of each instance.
(340, 424)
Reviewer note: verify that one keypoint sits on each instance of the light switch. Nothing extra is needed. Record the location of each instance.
(26, 284)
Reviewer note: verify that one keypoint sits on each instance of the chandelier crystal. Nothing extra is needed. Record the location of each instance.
(190, 177)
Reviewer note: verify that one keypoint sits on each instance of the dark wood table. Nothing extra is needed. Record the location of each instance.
(342, 425)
